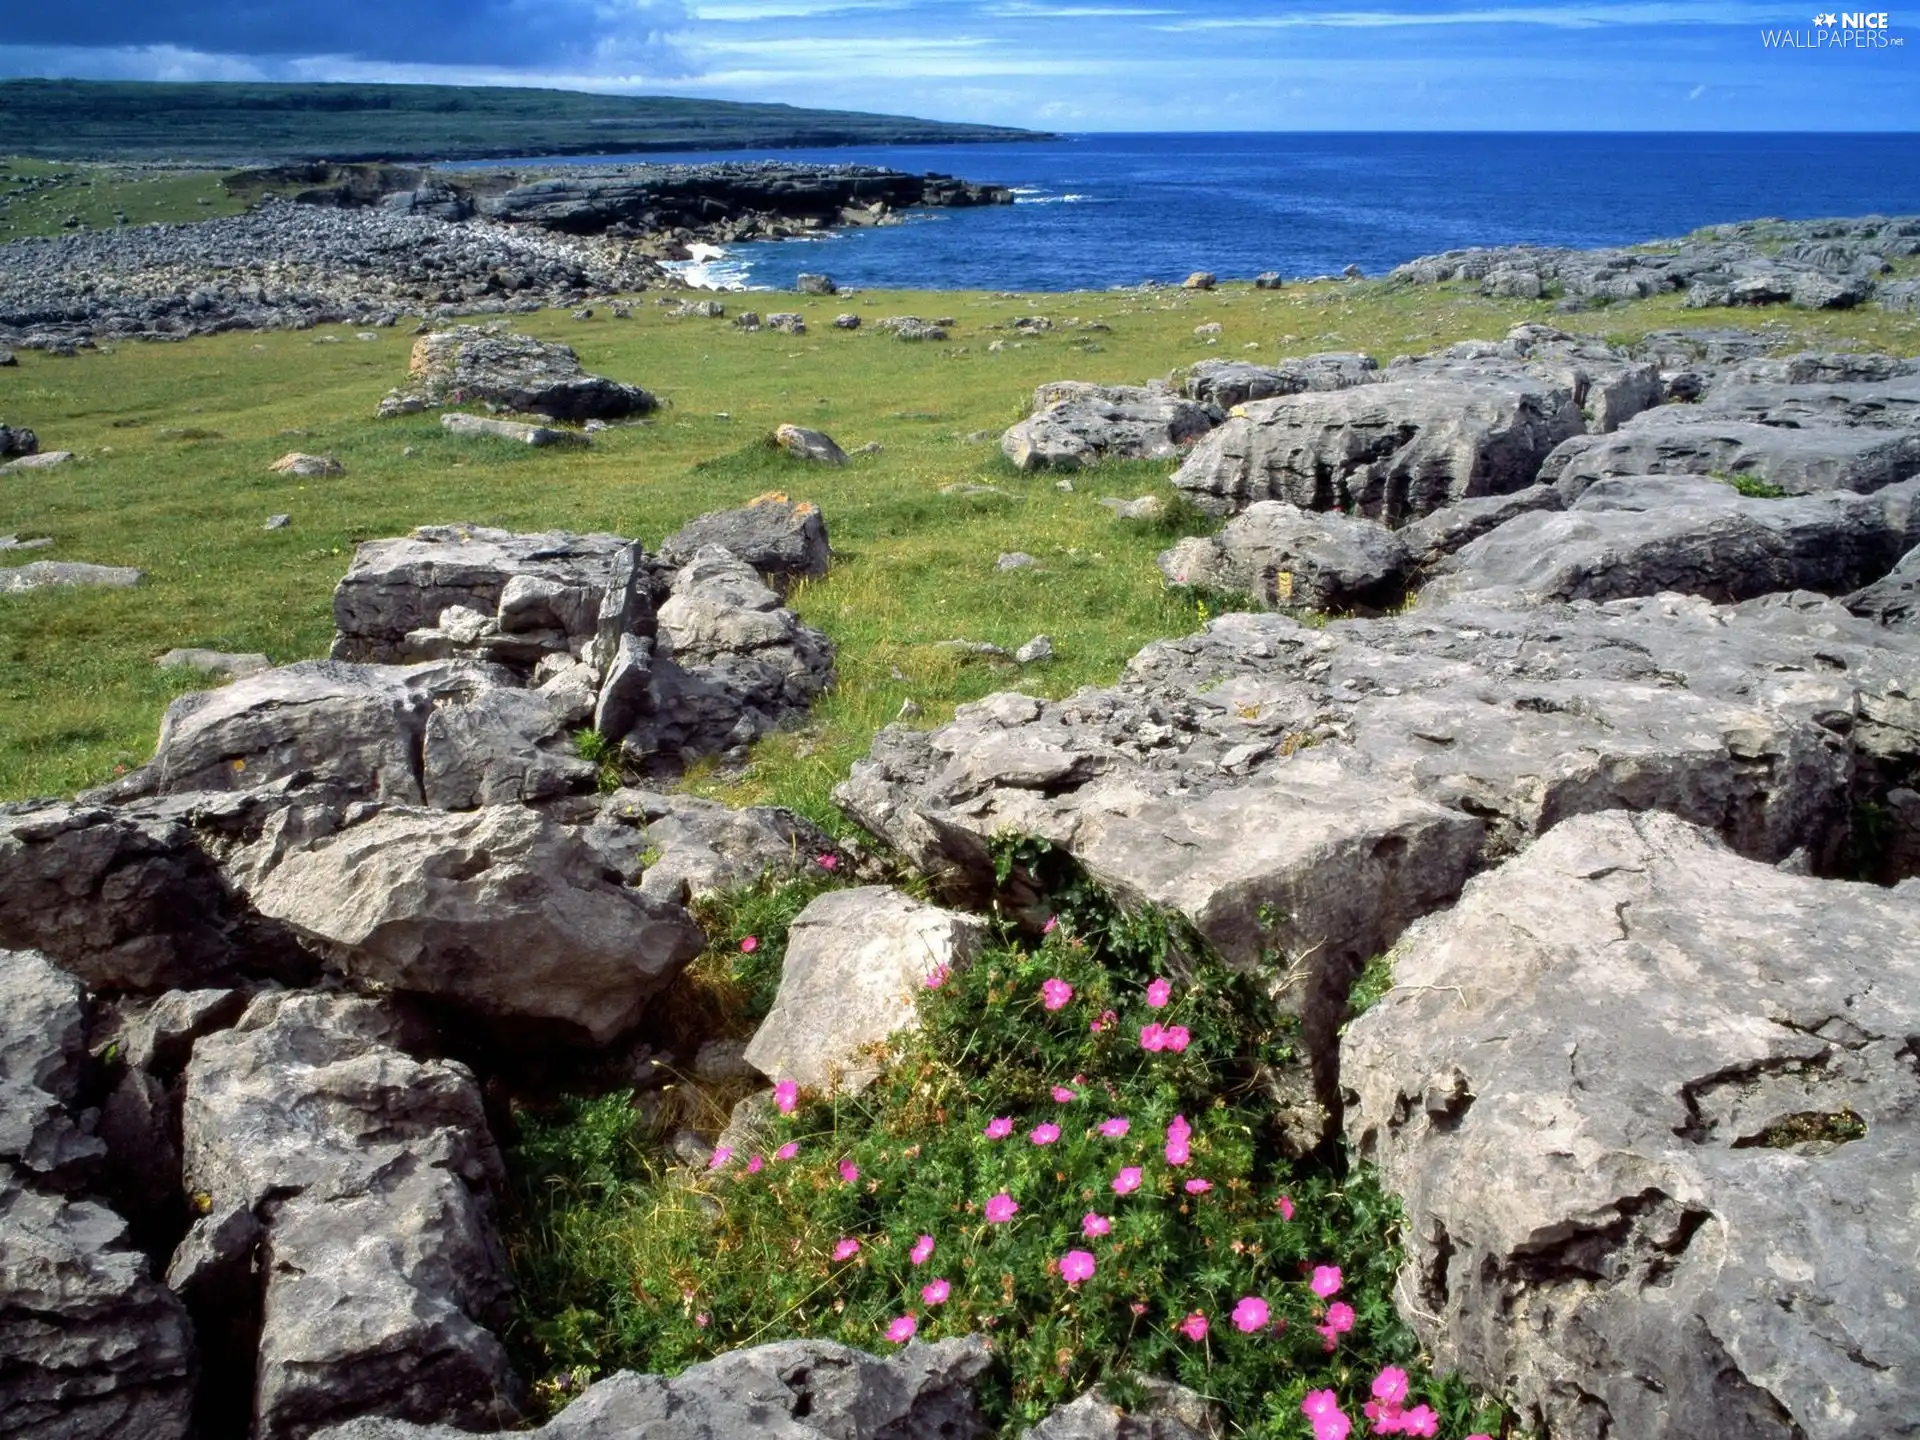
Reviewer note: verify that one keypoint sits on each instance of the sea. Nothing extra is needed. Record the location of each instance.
(1096, 211)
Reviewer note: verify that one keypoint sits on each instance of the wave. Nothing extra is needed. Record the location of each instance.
(712, 267)
(1035, 197)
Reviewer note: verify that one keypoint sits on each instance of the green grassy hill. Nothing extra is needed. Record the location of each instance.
(225, 122)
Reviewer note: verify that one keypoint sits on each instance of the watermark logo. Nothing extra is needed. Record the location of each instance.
(1836, 31)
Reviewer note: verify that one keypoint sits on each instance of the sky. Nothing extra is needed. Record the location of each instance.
(1083, 65)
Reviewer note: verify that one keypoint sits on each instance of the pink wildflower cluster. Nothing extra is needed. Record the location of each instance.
(1178, 1134)
(1164, 1037)
(1055, 993)
(1322, 1408)
(1388, 1412)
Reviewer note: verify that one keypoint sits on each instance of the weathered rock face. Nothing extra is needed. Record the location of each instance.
(471, 364)
(540, 593)
(781, 539)
(1075, 424)
(1894, 599)
(1350, 778)
(503, 914)
(43, 1049)
(1288, 558)
(793, 1390)
(700, 846)
(1646, 534)
(855, 961)
(367, 1175)
(1392, 451)
(1609, 385)
(1430, 539)
(1223, 384)
(1651, 1110)
(497, 747)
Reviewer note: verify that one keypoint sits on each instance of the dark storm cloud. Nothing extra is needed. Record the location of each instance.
(445, 32)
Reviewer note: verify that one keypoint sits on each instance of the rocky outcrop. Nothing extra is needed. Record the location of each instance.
(510, 919)
(784, 540)
(1894, 599)
(793, 1390)
(1222, 384)
(680, 846)
(1609, 385)
(1642, 1099)
(1391, 451)
(1432, 538)
(491, 366)
(1075, 424)
(1287, 558)
(855, 961)
(1646, 534)
(346, 1188)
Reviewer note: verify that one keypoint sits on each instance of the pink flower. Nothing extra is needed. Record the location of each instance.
(827, 862)
(1127, 1181)
(1194, 1327)
(1062, 1094)
(1114, 1127)
(1177, 1133)
(1055, 993)
(1053, 923)
(1044, 1134)
(922, 1250)
(1319, 1404)
(719, 1158)
(849, 1172)
(703, 1319)
(1390, 1384)
(999, 1127)
(846, 1249)
(936, 1293)
(755, 1165)
(1153, 1037)
(937, 976)
(1326, 1280)
(1105, 1020)
(1159, 993)
(1075, 1266)
(1250, 1314)
(1285, 1206)
(1199, 1187)
(1001, 1208)
(1177, 1038)
(1419, 1421)
(902, 1329)
(1092, 1225)
(786, 1095)
(749, 945)
(787, 1151)
(1178, 1128)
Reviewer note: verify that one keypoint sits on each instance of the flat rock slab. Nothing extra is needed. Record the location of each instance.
(793, 1390)
(1641, 535)
(215, 662)
(45, 460)
(1392, 451)
(507, 915)
(1289, 558)
(1223, 384)
(307, 467)
(367, 1175)
(518, 431)
(46, 574)
(1075, 424)
(855, 961)
(1652, 1112)
(468, 364)
(1432, 538)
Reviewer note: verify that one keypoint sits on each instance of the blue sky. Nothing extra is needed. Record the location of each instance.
(1079, 65)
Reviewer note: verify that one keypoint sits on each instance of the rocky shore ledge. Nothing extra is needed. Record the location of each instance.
(354, 251)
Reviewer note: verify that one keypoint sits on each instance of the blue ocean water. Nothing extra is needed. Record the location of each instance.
(1102, 210)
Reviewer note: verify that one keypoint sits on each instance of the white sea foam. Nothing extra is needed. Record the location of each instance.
(712, 267)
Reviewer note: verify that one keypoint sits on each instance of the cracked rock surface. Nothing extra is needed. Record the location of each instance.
(1653, 1111)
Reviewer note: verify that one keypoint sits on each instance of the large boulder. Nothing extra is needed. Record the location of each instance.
(1645, 534)
(1651, 1109)
(1223, 384)
(503, 914)
(1289, 558)
(855, 961)
(354, 1183)
(537, 593)
(471, 364)
(791, 1390)
(783, 540)
(1432, 538)
(1392, 451)
(1075, 424)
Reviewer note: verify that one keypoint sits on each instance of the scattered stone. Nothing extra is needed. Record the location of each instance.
(1622, 1109)
(1075, 424)
(1015, 560)
(1200, 280)
(215, 662)
(815, 285)
(855, 960)
(912, 328)
(1288, 558)
(14, 542)
(17, 440)
(1268, 280)
(747, 320)
(1146, 507)
(702, 310)
(7, 359)
(43, 574)
(1211, 330)
(469, 364)
(805, 444)
(787, 322)
(982, 648)
(1039, 648)
(584, 313)
(44, 460)
(277, 522)
(518, 431)
(1223, 384)
(782, 539)
(307, 467)
(846, 321)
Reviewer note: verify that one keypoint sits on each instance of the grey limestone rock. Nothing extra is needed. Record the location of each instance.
(1431, 538)
(499, 746)
(1645, 534)
(1651, 1110)
(17, 440)
(215, 662)
(782, 539)
(804, 444)
(700, 846)
(498, 911)
(792, 1390)
(491, 427)
(43, 1048)
(371, 1173)
(1075, 424)
(468, 364)
(1223, 384)
(911, 328)
(855, 961)
(46, 574)
(307, 467)
(1894, 599)
(1288, 558)
(815, 285)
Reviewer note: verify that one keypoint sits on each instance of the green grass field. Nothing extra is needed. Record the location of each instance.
(38, 197)
(174, 444)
